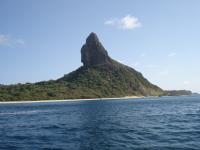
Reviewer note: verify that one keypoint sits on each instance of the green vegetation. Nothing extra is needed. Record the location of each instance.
(177, 93)
(114, 80)
(99, 77)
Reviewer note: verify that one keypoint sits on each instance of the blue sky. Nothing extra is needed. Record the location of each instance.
(41, 40)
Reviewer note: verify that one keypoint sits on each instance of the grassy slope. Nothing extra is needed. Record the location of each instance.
(114, 80)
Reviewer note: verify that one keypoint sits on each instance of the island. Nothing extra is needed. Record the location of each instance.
(99, 77)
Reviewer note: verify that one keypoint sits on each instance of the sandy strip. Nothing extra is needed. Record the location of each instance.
(68, 100)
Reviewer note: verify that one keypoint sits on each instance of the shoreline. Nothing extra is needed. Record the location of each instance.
(69, 100)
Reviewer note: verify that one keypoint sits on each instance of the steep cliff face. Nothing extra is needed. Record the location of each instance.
(105, 77)
(100, 76)
(93, 53)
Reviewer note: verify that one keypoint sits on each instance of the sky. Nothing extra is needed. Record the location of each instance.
(41, 40)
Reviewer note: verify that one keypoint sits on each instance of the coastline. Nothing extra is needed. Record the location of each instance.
(69, 100)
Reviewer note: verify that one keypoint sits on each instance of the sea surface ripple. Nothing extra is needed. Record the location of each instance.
(166, 123)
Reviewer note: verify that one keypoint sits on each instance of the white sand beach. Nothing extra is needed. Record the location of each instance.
(69, 100)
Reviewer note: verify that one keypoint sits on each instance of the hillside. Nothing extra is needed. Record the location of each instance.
(177, 92)
(100, 76)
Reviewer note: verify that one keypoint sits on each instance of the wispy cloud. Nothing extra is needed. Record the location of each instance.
(6, 40)
(127, 22)
(172, 54)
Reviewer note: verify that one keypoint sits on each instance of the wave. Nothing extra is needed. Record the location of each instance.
(28, 112)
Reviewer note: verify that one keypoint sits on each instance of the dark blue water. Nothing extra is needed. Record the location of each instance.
(151, 123)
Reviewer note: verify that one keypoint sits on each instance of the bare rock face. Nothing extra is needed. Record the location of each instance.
(93, 53)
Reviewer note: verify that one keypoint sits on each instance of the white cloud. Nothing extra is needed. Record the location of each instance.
(4, 40)
(127, 22)
(110, 22)
(9, 41)
(172, 54)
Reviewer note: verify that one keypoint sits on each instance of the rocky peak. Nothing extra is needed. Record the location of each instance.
(93, 53)
(92, 38)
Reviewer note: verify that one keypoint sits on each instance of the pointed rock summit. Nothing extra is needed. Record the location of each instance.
(93, 53)
(99, 77)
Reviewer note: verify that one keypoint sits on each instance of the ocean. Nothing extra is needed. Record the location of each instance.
(165, 123)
